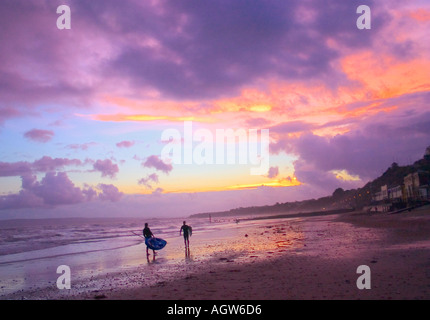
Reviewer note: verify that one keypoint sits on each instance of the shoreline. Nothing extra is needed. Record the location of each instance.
(302, 258)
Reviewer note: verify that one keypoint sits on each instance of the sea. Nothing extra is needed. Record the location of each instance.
(32, 251)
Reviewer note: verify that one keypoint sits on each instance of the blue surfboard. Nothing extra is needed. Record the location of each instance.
(155, 243)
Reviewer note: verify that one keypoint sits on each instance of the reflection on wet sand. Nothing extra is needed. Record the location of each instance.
(187, 253)
(245, 241)
(150, 260)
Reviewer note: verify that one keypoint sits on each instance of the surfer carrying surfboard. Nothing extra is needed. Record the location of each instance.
(187, 233)
(147, 233)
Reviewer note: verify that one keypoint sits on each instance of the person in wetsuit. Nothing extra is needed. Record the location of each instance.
(147, 233)
(187, 230)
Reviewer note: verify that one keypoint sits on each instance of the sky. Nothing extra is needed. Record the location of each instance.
(168, 108)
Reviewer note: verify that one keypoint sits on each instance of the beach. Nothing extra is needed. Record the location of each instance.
(269, 259)
(396, 248)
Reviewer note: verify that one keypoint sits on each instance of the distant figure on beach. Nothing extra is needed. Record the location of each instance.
(147, 233)
(187, 233)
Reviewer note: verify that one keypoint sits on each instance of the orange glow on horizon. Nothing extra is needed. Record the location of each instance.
(273, 184)
(146, 117)
(276, 183)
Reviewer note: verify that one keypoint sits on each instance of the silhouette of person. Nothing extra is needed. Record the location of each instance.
(147, 233)
(187, 231)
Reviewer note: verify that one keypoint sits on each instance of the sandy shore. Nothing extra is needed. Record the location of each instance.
(310, 258)
(395, 247)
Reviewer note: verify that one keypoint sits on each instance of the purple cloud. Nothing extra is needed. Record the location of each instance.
(7, 113)
(44, 164)
(57, 189)
(54, 189)
(365, 151)
(63, 82)
(39, 135)
(24, 199)
(239, 43)
(89, 193)
(273, 172)
(106, 167)
(12, 169)
(49, 164)
(109, 193)
(155, 162)
(150, 178)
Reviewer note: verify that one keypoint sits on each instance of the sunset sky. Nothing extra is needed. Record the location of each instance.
(83, 111)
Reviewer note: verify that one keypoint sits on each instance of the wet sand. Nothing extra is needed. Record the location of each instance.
(395, 247)
(302, 258)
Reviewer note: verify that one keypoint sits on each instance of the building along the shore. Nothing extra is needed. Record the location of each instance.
(414, 190)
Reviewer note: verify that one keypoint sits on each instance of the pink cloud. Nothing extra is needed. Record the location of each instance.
(39, 135)
(50, 164)
(106, 167)
(146, 181)
(125, 144)
(83, 146)
(155, 162)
